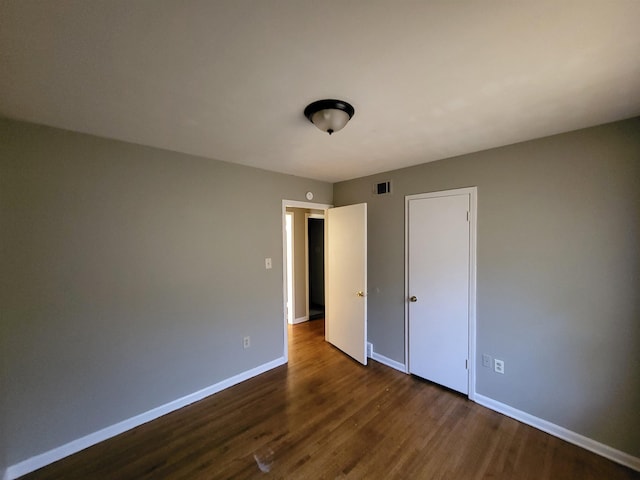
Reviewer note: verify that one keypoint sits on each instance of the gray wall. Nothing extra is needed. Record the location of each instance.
(558, 273)
(125, 273)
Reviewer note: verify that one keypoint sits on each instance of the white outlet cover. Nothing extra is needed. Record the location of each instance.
(267, 263)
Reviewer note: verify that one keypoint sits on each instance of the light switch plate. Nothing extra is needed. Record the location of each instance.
(486, 360)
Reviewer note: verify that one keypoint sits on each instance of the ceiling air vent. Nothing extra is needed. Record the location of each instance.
(382, 188)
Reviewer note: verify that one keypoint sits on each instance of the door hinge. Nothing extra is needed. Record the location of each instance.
(467, 216)
(466, 364)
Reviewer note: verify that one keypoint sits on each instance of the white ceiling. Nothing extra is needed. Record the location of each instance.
(229, 79)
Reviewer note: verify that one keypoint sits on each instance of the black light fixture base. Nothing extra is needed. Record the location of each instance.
(327, 105)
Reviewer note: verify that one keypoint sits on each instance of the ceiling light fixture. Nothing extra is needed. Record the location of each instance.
(329, 115)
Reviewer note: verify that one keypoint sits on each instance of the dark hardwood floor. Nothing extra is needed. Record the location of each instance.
(325, 416)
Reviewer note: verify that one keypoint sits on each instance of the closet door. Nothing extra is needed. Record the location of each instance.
(438, 288)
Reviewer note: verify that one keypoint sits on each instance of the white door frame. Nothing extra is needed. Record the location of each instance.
(307, 216)
(473, 202)
(295, 204)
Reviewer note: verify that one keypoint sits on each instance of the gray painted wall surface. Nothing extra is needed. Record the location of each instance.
(130, 275)
(558, 273)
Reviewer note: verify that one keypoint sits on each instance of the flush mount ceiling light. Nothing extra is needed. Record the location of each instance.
(329, 115)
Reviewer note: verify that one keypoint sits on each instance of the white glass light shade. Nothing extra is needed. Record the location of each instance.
(330, 120)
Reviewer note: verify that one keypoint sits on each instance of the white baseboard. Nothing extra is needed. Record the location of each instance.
(58, 453)
(300, 320)
(388, 362)
(561, 432)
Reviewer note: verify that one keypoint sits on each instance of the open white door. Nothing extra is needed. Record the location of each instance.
(346, 306)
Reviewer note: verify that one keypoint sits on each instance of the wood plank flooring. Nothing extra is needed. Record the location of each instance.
(324, 416)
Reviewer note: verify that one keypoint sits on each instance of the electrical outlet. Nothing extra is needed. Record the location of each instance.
(486, 360)
(246, 342)
(498, 365)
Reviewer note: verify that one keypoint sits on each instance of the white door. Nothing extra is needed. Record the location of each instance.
(346, 302)
(438, 288)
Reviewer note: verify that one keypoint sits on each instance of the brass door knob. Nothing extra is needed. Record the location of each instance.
(413, 299)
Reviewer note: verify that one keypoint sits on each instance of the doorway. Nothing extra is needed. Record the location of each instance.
(440, 287)
(345, 242)
(296, 258)
(304, 264)
(315, 266)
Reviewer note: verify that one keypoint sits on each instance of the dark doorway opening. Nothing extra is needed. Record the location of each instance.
(315, 235)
